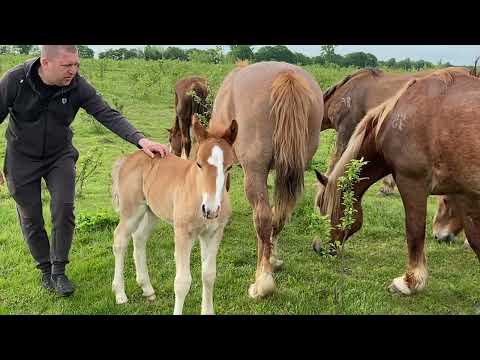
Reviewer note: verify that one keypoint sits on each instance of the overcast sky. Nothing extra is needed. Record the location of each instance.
(455, 54)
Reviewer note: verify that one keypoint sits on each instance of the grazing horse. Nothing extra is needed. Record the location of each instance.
(279, 109)
(185, 106)
(426, 135)
(190, 195)
(347, 102)
(447, 223)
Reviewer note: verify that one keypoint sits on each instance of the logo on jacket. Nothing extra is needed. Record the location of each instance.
(64, 101)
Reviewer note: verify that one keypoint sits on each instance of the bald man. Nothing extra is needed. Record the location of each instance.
(42, 97)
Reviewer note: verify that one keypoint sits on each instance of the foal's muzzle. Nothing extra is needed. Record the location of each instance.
(208, 214)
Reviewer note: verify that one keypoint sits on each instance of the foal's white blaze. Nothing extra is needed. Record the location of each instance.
(216, 159)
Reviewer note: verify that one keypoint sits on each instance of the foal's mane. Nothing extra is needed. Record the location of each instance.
(360, 73)
(373, 121)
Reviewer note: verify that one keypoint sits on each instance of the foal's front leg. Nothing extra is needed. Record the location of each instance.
(209, 249)
(414, 197)
(183, 277)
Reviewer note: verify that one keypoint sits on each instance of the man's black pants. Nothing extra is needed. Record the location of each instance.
(23, 175)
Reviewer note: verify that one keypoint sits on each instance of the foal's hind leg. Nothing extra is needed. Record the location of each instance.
(257, 195)
(140, 238)
(129, 221)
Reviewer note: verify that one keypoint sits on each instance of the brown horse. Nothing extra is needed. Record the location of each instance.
(347, 102)
(185, 106)
(426, 135)
(279, 109)
(190, 195)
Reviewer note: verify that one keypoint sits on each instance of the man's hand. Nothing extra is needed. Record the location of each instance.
(151, 148)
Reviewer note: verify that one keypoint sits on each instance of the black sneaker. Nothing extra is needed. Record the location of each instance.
(47, 282)
(63, 286)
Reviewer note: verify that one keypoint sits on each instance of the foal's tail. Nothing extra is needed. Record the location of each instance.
(115, 178)
(291, 99)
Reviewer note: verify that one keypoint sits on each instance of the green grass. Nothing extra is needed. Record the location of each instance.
(373, 257)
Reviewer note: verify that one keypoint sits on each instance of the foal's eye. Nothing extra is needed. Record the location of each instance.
(199, 165)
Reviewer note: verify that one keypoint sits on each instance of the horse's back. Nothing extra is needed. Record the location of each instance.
(246, 96)
(434, 129)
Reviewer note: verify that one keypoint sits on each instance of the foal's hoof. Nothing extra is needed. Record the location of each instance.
(121, 299)
(399, 286)
(150, 298)
(264, 286)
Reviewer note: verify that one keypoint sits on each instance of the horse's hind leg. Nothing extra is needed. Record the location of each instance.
(140, 238)
(257, 195)
(414, 197)
(279, 220)
(470, 212)
(129, 220)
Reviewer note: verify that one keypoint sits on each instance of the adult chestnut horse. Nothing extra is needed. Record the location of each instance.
(185, 106)
(279, 110)
(426, 135)
(347, 102)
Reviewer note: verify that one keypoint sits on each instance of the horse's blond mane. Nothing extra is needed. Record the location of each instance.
(360, 73)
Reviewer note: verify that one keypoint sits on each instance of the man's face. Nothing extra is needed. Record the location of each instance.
(61, 68)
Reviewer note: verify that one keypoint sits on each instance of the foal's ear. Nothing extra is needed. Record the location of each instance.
(321, 178)
(231, 133)
(199, 130)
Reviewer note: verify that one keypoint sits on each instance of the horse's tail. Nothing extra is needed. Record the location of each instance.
(291, 99)
(115, 178)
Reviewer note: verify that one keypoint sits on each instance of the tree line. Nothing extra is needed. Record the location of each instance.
(327, 56)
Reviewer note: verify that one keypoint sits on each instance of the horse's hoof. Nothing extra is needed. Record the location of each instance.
(252, 291)
(264, 286)
(121, 299)
(398, 286)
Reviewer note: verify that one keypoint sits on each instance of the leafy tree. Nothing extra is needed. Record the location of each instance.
(275, 53)
(175, 53)
(241, 52)
(85, 52)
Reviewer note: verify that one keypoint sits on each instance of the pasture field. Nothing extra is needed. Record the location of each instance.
(308, 283)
